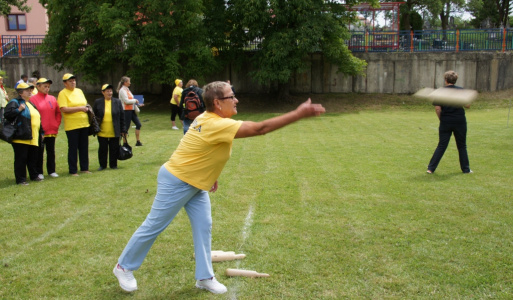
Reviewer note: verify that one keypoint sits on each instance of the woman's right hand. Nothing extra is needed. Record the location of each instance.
(21, 107)
(309, 109)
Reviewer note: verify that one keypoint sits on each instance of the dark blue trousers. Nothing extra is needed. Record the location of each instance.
(108, 147)
(25, 157)
(445, 132)
(49, 144)
(78, 140)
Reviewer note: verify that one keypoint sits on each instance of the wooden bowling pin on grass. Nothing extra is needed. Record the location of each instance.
(245, 273)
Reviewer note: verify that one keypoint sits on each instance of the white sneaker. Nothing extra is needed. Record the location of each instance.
(211, 285)
(174, 128)
(126, 278)
(54, 175)
(41, 176)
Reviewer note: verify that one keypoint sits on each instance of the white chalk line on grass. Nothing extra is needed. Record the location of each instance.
(44, 236)
(245, 234)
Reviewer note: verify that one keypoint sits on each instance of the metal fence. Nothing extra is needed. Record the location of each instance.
(359, 41)
(20, 45)
(431, 40)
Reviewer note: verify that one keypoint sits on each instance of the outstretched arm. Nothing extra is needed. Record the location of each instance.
(305, 110)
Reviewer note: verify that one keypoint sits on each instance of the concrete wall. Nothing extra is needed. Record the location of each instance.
(386, 73)
(408, 72)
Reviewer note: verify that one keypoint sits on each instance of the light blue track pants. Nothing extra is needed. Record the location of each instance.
(172, 195)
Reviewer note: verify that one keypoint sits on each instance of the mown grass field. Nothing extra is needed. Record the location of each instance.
(337, 207)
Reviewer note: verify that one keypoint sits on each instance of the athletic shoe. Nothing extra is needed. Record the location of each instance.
(429, 172)
(469, 172)
(23, 183)
(174, 128)
(41, 176)
(138, 143)
(126, 278)
(54, 175)
(37, 179)
(101, 168)
(211, 285)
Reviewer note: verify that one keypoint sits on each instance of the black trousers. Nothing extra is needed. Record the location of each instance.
(49, 144)
(25, 157)
(445, 132)
(110, 147)
(130, 116)
(175, 110)
(78, 140)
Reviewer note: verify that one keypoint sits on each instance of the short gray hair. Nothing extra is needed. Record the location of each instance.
(211, 91)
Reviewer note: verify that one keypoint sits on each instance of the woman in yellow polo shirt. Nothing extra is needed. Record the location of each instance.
(188, 176)
(73, 106)
(26, 147)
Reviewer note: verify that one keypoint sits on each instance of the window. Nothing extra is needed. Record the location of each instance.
(16, 22)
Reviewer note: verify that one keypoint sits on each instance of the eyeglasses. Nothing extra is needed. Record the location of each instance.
(229, 97)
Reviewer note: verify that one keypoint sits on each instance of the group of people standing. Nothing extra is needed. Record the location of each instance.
(38, 117)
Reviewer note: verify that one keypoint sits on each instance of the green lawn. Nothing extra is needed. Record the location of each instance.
(334, 207)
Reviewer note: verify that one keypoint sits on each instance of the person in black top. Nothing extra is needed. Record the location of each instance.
(452, 120)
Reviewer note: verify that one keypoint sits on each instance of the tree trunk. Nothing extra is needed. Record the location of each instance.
(503, 7)
(444, 17)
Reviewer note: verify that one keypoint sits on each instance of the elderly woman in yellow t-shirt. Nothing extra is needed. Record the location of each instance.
(26, 143)
(73, 105)
(175, 100)
(111, 117)
(192, 171)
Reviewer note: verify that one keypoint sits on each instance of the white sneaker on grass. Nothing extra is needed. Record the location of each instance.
(174, 128)
(211, 285)
(126, 278)
(54, 175)
(41, 176)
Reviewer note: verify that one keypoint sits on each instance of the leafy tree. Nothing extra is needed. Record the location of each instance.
(6, 5)
(289, 30)
(409, 14)
(444, 8)
(496, 12)
(413, 18)
(154, 39)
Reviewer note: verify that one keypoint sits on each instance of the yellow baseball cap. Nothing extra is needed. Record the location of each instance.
(177, 81)
(23, 86)
(107, 86)
(68, 76)
(43, 80)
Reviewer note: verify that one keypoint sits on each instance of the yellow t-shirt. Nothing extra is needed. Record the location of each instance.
(73, 98)
(35, 123)
(177, 91)
(107, 127)
(204, 150)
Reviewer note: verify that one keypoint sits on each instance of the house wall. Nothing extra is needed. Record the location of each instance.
(37, 20)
